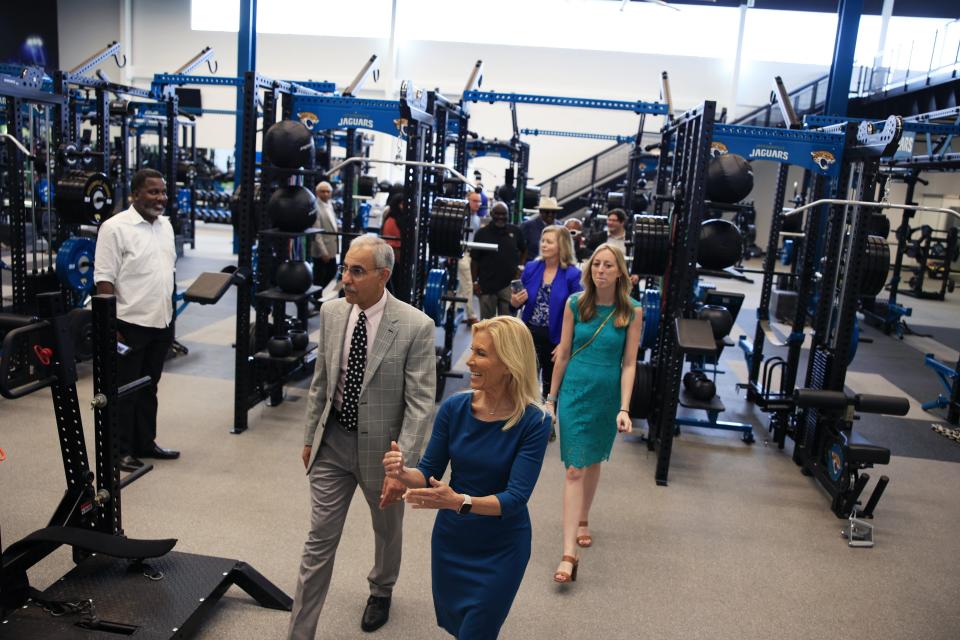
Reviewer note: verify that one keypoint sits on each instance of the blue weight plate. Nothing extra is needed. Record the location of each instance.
(75, 264)
(651, 318)
(854, 341)
(435, 288)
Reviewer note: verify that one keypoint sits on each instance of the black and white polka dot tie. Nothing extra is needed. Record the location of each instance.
(356, 365)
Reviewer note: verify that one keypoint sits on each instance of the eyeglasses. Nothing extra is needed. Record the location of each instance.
(355, 272)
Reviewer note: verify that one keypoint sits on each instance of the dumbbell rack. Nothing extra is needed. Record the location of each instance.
(256, 378)
(272, 303)
(696, 340)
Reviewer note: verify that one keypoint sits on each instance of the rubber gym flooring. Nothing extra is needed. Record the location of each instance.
(739, 545)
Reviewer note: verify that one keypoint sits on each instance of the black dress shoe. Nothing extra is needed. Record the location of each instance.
(376, 614)
(161, 453)
(129, 463)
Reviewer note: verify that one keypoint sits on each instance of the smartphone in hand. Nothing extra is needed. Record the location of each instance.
(516, 286)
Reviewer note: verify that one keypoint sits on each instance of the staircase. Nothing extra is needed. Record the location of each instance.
(572, 187)
(608, 169)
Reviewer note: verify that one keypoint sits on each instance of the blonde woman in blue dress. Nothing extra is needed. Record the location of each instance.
(598, 349)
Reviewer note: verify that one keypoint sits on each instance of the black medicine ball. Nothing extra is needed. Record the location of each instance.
(288, 144)
(721, 244)
(292, 209)
(729, 179)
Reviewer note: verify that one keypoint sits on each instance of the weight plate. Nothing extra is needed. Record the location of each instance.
(435, 288)
(651, 245)
(651, 318)
(75, 264)
(876, 263)
(448, 221)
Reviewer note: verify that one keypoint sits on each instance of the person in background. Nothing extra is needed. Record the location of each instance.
(615, 235)
(390, 227)
(136, 261)
(547, 282)
(464, 275)
(532, 228)
(325, 247)
(374, 383)
(493, 270)
(591, 388)
(580, 250)
(493, 438)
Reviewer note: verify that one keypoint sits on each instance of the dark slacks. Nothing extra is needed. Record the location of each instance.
(138, 411)
(323, 272)
(544, 347)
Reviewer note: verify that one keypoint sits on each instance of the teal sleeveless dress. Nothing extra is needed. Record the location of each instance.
(589, 397)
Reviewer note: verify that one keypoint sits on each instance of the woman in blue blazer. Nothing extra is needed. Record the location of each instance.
(548, 281)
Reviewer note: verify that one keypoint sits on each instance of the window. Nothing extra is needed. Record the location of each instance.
(298, 17)
(709, 32)
(798, 37)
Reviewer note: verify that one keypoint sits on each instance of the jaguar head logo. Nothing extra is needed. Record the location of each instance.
(308, 119)
(823, 159)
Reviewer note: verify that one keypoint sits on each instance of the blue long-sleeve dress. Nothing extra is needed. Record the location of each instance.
(478, 561)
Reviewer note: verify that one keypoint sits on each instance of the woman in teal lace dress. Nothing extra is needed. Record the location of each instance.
(593, 378)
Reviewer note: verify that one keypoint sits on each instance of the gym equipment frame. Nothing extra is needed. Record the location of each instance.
(120, 585)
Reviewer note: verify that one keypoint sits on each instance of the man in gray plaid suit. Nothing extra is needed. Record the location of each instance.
(375, 382)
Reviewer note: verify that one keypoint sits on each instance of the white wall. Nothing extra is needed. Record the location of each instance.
(162, 40)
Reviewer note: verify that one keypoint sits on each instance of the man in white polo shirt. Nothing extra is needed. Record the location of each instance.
(135, 261)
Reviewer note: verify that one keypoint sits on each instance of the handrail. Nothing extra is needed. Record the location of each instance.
(574, 167)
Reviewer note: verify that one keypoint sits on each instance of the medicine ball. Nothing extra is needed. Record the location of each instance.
(721, 244)
(719, 317)
(279, 346)
(288, 144)
(703, 389)
(299, 338)
(292, 208)
(294, 276)
(729, 178)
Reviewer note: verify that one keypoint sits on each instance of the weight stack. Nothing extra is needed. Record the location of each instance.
(448, 222)
(876, 263)
(651, 245)
(83, 197)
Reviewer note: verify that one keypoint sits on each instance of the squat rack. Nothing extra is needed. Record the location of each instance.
(640, 107)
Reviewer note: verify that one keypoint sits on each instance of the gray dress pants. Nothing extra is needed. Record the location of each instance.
(334, 478)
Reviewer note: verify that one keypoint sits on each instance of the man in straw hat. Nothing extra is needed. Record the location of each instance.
(532, 228)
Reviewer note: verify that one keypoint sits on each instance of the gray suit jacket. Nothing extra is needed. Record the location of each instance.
(399, 385)
(323, 245)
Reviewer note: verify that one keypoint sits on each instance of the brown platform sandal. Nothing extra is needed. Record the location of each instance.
(584, 541)
(562, 577)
